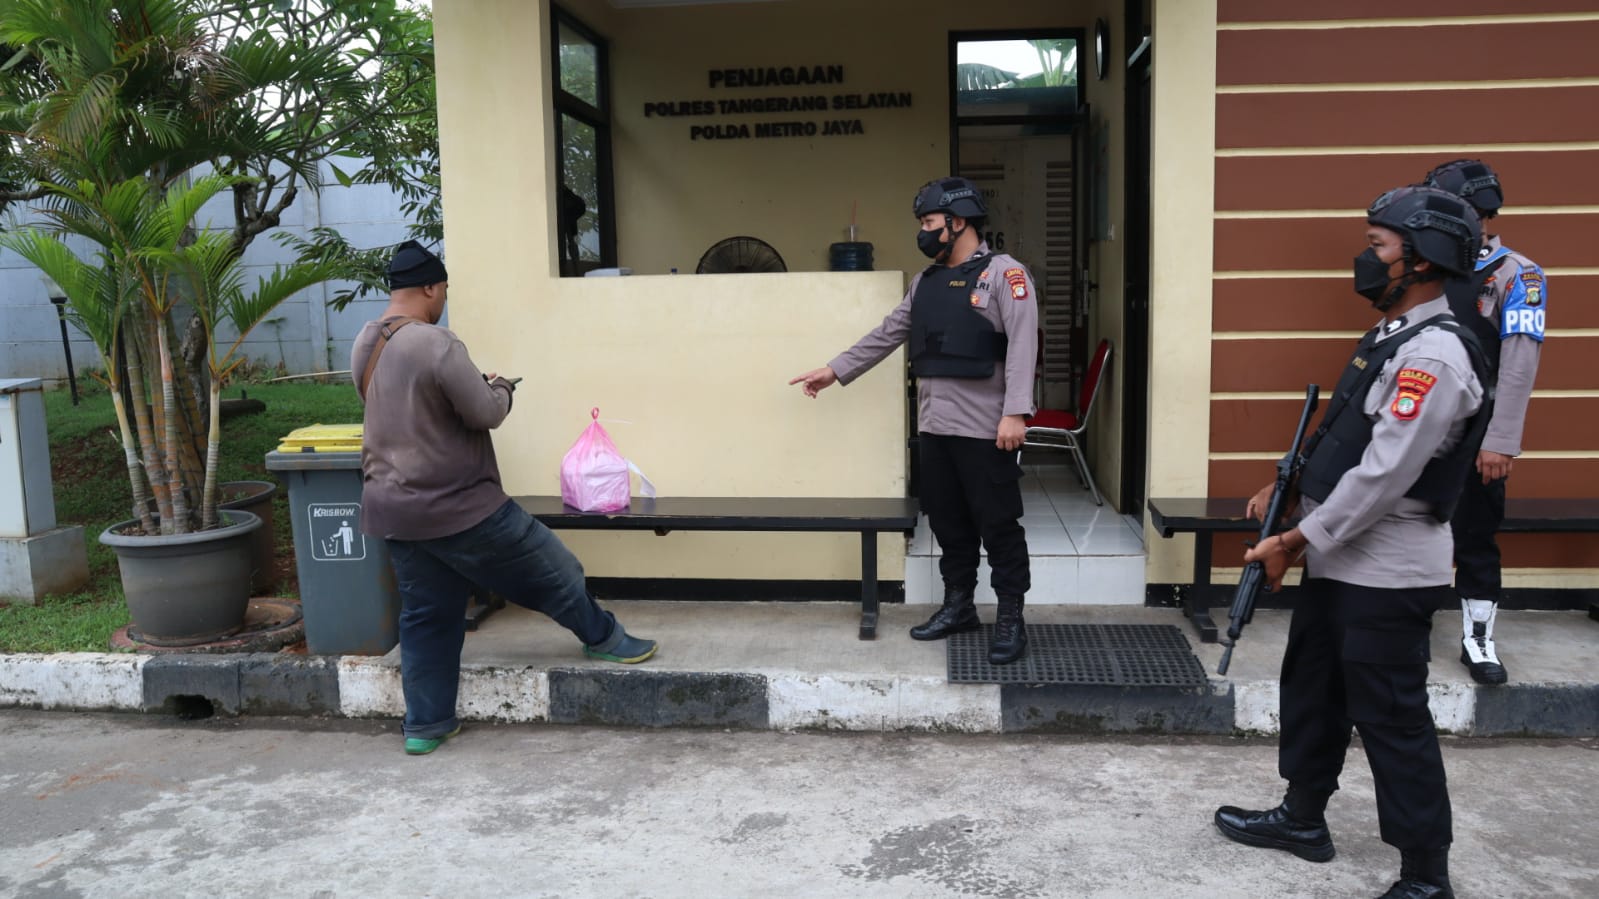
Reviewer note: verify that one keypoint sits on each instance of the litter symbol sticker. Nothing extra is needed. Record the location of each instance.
(336, 532)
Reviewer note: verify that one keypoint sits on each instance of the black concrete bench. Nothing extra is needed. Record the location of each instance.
(1206, 517)
(866, 516)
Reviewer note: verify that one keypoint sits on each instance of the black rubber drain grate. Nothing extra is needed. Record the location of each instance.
(1147, 655)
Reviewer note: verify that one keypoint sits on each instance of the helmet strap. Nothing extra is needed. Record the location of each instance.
(949, 226)
(1402, 283)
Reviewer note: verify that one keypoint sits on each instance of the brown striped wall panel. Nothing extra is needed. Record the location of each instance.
(1421, 118)
(1331, 304)
(1332, 243)
(1531, 178)
(1531, 478)
(1291, 11)
(1320, 108)
(1518, 550)
(1277, 364)
(1494, 52)
(1558, 423)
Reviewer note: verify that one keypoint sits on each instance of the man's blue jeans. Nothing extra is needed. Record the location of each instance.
(509, 553)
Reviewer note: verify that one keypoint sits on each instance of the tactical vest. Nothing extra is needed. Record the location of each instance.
(949, 338)
(1341, 440)
(1463, 294)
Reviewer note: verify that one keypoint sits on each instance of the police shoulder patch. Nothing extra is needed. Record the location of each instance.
(1414, 379)
(1413, 384)
(1017, 281)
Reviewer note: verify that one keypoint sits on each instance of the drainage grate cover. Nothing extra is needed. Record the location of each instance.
(1146, 655)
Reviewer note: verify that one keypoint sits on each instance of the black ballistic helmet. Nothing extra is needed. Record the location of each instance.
(1437, 225)
(1471, 180)
(956, 196)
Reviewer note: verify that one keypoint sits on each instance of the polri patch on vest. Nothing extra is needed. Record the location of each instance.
(1017, 279)
(957, 284)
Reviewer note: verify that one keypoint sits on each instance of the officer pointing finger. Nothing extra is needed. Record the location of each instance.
(970, 320)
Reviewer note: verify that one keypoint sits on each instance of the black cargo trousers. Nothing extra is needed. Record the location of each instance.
(971, 492)
(1357, 656)
(1476, 521)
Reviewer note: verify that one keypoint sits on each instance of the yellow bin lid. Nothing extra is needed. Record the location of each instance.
(323, 439)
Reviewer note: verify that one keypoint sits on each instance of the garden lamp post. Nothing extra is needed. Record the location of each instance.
(58, 297)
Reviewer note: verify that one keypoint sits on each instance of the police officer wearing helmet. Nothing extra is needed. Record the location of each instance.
(971, 321)
(1382, 475)
(1503, 300)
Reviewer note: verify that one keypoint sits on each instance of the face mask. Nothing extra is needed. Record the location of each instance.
(930, 243)
(1371, 276)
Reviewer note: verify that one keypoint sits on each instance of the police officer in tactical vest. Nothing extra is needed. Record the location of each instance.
(1503, 300)
(971, 321)
(1382, 475)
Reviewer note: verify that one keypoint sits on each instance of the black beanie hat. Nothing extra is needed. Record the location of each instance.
(414, 266)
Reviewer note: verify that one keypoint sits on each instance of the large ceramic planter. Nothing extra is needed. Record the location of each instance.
(256, 498)
(186, 588)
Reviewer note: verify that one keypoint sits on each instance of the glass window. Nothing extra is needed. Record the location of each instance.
(580, 183)
(580, 65)
(584, 204)
(1016, 77)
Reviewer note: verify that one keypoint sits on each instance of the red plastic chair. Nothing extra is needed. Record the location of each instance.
(1059, 429)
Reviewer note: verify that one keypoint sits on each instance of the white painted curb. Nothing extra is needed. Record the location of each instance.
(881, 704)
(86, 681)
(371, 688)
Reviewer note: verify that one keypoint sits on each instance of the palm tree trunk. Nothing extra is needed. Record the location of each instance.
(169, 412)
(213, 452)
(141, 495)
(153, 470)
(190, 422)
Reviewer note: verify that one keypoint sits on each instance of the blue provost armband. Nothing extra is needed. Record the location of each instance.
(1524, 305)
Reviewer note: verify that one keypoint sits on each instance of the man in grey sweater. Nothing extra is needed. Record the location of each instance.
(431, 489)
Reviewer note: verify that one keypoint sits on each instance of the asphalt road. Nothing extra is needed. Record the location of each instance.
(125, 805)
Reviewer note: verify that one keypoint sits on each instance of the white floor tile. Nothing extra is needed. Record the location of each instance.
(1050, 542)
(1117, 541)
(1111, 580)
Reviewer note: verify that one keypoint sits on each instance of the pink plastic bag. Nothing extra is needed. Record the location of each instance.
(594, 476)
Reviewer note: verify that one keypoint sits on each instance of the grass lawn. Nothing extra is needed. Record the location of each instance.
(91, 489)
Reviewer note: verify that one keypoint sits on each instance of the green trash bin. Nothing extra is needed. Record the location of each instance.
(347, 591)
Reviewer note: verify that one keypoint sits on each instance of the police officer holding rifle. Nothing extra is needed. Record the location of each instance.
(1382, 475)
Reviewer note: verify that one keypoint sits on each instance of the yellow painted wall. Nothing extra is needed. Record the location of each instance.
(676, 197)
(1182, 190)
(698, 365)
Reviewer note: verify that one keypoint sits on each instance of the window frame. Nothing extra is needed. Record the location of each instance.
(598, 118)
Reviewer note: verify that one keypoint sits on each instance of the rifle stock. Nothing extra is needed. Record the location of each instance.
(1253, 579)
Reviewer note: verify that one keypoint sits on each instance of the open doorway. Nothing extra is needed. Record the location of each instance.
(1015, 132)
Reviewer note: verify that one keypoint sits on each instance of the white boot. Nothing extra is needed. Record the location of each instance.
(1477, 641)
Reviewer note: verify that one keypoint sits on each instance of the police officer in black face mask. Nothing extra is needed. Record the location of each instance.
(971, 320)
(1382, 476)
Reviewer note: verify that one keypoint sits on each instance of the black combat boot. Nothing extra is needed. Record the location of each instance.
(1010, 632)
(956, 616)
(1299, 825)
(1423, 874)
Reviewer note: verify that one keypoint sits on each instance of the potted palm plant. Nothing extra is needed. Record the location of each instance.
(186, 564)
